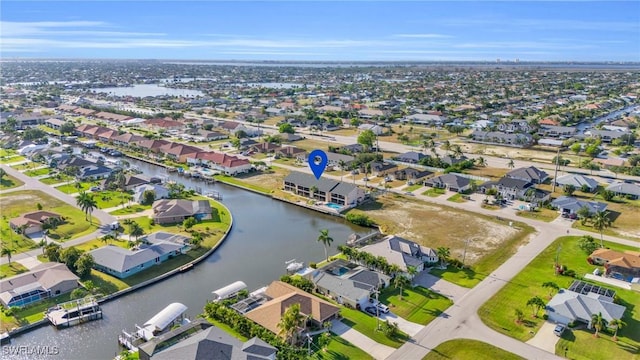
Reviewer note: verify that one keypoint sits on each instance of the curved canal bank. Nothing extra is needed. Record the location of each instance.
(265, 234)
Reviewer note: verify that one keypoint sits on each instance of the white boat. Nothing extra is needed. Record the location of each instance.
(293, 265)
(74, 312)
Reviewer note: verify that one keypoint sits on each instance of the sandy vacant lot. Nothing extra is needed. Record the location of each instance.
(435, 226)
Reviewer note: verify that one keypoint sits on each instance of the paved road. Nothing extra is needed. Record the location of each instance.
(33, 184)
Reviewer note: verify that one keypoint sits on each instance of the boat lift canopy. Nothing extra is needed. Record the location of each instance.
(228, 291)
(162, 319)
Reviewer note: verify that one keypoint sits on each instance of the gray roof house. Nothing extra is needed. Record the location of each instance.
(402, 252)
(512, 189)
(200, 340)
(44, 281)
(632, 190)
(412, 157)
(500, 138)
(571, 205)
(411, 175)
(177, 210)
(578, 181)
(450, 182)
(94, 171)
(568, 306)
(160, 192)
(606, 135)
(337, 192)
(530, 174)
(157, 248)
(344, 291)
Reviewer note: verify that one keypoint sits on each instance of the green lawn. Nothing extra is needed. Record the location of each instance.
(413, 187)
(234, 181)
(339, 349)
(11, 159)
(19, 202)
(56, 179)
(465, 349)
(9, 182)
(132, 209)
(581, 345)
(7, 152)
(38, 172)
(366, 324)
(96, 243)
(541, 214)
(498, 312)
(434, 192)
(26, 166)
(108, 199)
(457, 198)
(74, 187)
(418, 305)
(8, 270)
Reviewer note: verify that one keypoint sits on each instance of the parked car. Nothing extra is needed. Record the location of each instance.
(371, 310)
(383, 308)
(95, 188)
(559, 329)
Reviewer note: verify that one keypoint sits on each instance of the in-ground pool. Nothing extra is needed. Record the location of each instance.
(334, 206)
(340, 271)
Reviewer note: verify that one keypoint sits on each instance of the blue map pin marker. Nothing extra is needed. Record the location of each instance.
(317, 162)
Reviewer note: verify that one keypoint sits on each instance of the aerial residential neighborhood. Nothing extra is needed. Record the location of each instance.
(300, 207)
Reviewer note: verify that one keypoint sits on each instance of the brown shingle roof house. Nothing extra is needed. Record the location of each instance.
(32, 221)
(43, 281)
(282, 296)
(176, 210)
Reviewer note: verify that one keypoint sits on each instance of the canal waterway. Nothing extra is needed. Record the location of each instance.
(266, 234)
(144, 90)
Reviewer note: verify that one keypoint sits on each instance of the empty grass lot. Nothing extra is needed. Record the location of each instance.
(465, 349)
(109, 199)
(131, 209)
(418, 305)
(9, 182)
(56, 179)
(338, 349)
(541, 214)
(38, 172)
(74, 187)
(366, 324)
(434, 192)
(8, 270)
(498, 312)
(11, 159)
(413, 187)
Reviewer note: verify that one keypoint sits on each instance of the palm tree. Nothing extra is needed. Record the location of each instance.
(290, 321)
(3, 173)
(552, 286)
(481, 161)
(412, 271)
(121, 181)
(598, 322)
(313, 190)
(536, 303)
(601, 221)
(42, 243)
(400, 281)
(87, 203)
(7, 251)
(511, 164)
(457, 151)
(342, 164)
(519, 316)
(617, 324)
(326, 240)
(443, 254)
(135, 230)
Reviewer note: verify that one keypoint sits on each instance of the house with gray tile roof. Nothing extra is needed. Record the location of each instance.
(345, 291)
(201, 340)
(328, 190)
(155, 249)
(402, 252)
(530, 174)
(177, 210)
(412, 157)
(42, 282)
(450, 182)
(625, 189)
(570, 205)
(578, 181)
(159, 191)
(569, 306)
(500, 138)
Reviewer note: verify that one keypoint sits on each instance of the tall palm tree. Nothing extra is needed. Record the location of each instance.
(511, 164)
(457, 151)
(399, 282)
(598, 323)
(601, 221)
(342, 164)
(290, 321)
(121, 181)
(443, 254)
(481, 161)
(617, 324)
(412, 271)
(326, 240)
(135, 230)
(536, 303)
(552, 286)
(7, 251)
(313, 190)
(87, 203)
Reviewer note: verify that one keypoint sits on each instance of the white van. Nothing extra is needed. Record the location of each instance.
(383, 308)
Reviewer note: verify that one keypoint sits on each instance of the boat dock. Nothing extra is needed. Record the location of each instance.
(160, 323)
(74, 312)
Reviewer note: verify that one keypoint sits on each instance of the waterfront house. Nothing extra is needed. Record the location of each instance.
(450, 182)
(201, 340)
(33, 222)
(402, 252)
(568, 205)
(326, 190)
(177, 210)
(227, 164)
(130, 182)
(126, 139)
(155, 249)
(530, 174)
(94, 172)
(622, 265)
(42, 282)
(281, 296)
(159, 191)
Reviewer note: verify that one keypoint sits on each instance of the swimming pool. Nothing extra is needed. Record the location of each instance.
(340, 271)
(334, 206)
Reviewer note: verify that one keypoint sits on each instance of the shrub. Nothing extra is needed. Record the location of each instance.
(313, 265)
(360, 219)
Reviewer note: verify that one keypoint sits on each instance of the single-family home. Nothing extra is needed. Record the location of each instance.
(424, 119)
(130, 182)
(567, 205)
(382, 168)
(557, 131)
(377, 129)
(344, 291)
(159, 191)
(570, 307)
(411, 175)
(530, 174)
(201, 340)
(41, 282)
(94, 172)
(264, 147)
(578, 181)
(154, 250)
(500, 138)
(326, 190)
(450, 182)
(352, 148)
(509, 188)
(606, 136)
(412, 157)
(622, 265)
(281, 296)
(625, 189)
(177, 210)
(402, 252)
(290, 152)
(33, 222)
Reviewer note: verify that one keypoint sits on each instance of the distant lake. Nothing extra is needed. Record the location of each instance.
(143, 90)
(274, 85)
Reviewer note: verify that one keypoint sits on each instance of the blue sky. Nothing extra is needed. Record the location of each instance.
(323, 30)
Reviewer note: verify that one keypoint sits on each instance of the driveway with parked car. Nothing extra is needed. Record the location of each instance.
(546, 338)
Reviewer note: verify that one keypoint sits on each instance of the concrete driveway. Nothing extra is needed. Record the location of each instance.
(377, 350)
(442, 287)
(407, 326)
(545, 339)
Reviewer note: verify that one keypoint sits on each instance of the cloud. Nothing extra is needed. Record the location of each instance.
(50, 28)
